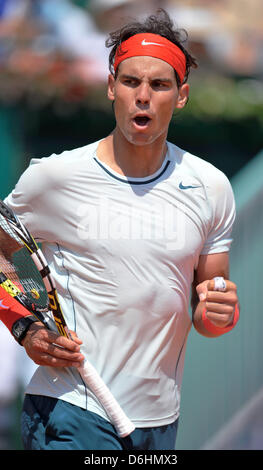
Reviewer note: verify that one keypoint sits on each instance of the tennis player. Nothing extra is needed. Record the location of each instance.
(133, 227)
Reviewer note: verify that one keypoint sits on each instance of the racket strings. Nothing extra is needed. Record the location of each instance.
(26, 268)
(20, 271)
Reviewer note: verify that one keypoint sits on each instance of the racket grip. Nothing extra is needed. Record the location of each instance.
(93, 380)
(115, 413)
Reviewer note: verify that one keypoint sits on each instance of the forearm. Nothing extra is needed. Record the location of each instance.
(8, 246)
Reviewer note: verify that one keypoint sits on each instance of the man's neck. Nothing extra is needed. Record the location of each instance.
(137, 161)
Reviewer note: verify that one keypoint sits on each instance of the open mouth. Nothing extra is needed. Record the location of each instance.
(141, 120)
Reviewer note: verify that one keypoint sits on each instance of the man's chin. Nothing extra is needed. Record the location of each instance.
(141, 139)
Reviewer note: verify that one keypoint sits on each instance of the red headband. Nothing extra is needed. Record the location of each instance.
(154, 45)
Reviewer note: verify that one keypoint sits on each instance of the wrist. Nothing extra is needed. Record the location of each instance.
(21, 327)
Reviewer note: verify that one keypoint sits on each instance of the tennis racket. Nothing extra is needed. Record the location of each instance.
(25, 275)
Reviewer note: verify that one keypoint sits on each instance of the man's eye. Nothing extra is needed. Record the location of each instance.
(159, 85)
(129, 81)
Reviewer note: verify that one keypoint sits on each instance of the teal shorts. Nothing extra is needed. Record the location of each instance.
(52, 424)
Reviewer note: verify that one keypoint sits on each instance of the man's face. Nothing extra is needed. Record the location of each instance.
(145, 94)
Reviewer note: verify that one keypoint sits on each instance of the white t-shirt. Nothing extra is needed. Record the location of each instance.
(123, 253)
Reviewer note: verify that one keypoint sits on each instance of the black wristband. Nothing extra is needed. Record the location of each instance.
(21, 326)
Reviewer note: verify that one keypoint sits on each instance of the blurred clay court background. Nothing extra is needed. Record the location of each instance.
(54, 68)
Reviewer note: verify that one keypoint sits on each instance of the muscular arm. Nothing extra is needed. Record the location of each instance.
(8, 245)
(219, 305)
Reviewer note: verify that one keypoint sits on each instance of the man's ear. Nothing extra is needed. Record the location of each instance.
(111, 87)
(182, 96)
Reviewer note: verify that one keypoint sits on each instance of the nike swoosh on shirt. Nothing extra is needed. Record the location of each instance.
(146, 43)
(3, 306)
(181, 186)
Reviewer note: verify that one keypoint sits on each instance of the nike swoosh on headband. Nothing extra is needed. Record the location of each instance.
(3, 306)
(146, 43)
(143, 44)
(181, 186)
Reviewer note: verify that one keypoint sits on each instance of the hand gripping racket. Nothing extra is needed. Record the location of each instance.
(29, 280)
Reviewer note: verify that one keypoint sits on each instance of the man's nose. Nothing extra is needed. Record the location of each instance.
(143, 94)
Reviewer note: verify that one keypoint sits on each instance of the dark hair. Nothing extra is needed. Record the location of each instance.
(161, 24)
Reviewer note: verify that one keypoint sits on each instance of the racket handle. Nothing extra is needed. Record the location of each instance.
(95, 383)
(115, 413)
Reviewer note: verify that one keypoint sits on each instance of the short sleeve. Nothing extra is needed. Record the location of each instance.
(223, 212)
(30, 199)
